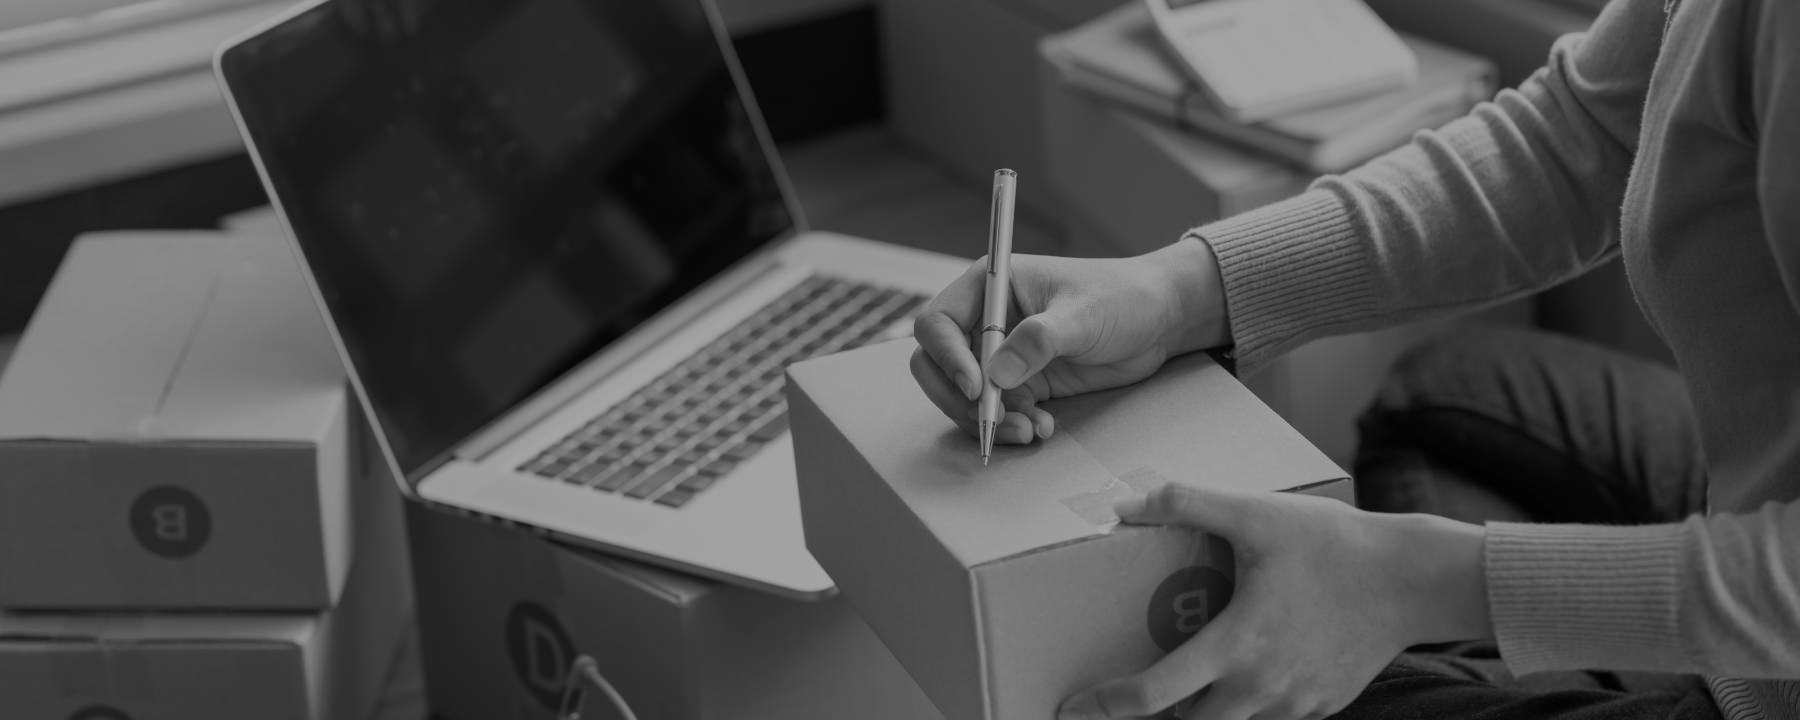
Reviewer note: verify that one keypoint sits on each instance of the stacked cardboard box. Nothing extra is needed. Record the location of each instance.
(958, 79)
(190, 524)
(1138, 181)
(503, 615)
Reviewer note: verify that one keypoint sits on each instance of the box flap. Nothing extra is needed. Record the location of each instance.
(170, 336)
(159, 628)
(260, 365)
(979, 513)
(1193, 423)
(71, 376)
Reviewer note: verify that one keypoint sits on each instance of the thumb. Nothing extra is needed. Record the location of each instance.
(1031, 345)
(1222, 512)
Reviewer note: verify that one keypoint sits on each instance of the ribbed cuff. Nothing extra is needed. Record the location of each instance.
(1566, 597)
(1291, 270)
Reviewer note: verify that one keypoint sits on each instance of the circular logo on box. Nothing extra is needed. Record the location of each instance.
(170, 522)
(99, 712)
(541, 652)
(1184, 602)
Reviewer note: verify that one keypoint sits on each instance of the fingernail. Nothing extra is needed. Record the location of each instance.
(970, 388)
(1129, 507)
(1006, 369)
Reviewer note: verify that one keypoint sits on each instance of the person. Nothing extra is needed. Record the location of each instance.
(1668, 547)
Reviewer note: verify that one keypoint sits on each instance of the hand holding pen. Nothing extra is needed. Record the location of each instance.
(1073, 326)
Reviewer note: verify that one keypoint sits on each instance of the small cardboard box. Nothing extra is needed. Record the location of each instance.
(958, 77)
(503, 614)
(1142, 182)
(191, 666)
(1004, 589)
(173, 424)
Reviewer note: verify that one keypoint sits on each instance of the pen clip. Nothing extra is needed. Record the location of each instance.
(993, 253)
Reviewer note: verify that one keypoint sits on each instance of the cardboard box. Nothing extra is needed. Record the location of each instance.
(1141, 182)
(959, 77)
(1004, 589)
(1138, 184)
(1515, 34)
(504, 613)
(189, 666)
(173, 423)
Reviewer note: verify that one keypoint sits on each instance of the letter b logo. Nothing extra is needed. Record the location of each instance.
(1184, 602)
(170, 522)
(541, 652)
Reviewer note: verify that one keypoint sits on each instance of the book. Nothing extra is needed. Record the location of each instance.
(1117, 56)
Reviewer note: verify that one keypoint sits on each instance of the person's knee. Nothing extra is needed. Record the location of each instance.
(1461, 367)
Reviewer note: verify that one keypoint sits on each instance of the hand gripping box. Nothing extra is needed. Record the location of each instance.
(503, 614)
(1004, 589)
(173, 433)
(224, 666)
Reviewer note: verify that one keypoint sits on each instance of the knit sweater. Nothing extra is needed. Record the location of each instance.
(1668, 134)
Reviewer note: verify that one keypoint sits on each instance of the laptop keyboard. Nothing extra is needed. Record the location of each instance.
(679, 434)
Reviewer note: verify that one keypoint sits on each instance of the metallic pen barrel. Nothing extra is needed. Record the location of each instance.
(995, 303)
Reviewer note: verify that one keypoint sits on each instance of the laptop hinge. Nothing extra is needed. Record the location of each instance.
(603, 364)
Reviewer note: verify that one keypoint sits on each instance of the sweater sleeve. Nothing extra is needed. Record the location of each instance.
(1521, 194)
(1717, 595)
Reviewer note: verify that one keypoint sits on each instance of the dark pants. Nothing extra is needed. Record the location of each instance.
(1519, 426)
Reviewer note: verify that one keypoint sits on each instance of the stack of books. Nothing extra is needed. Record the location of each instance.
(1118, 57)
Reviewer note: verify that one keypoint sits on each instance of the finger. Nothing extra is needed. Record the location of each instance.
(1223, 702)
(1023, 400)
(942, 329)
(1221, 511)
(1015, 429)
(1031, 345)
(945, 396)
(1191, 666)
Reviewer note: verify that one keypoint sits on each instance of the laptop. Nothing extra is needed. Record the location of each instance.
(563, 265)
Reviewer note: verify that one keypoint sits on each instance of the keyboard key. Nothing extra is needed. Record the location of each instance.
(655, 482)
(770, 427)
(718, 467)
(698, 482)
(742, 451)
(614, 478)
(587, 475)
(675, 498)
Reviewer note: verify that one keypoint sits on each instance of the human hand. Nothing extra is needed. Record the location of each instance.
(1076, 326)
(1327, 595)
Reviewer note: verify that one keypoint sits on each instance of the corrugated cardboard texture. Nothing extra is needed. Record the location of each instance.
(175, 422)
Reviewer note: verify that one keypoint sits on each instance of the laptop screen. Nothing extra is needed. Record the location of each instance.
(489, 192)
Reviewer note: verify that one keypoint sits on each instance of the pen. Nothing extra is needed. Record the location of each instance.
(997, 298)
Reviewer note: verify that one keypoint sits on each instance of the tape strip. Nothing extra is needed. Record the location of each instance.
(1096, 507)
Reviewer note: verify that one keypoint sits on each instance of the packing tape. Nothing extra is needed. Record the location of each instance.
(1096, 506)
